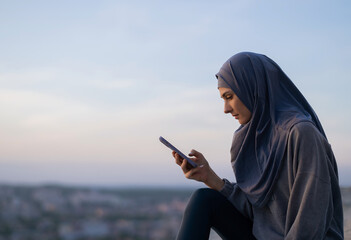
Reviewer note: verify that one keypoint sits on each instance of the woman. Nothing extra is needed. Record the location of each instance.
(287, 180)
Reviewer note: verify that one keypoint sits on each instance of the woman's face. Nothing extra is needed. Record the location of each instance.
(234, 106)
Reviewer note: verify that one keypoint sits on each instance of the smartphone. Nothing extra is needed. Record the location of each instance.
(191, 163)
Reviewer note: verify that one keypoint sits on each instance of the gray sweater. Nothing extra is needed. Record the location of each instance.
(306, 201)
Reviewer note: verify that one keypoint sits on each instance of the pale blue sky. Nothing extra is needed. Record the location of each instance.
(86, 87)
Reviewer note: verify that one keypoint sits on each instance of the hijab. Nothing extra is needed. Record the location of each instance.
(276, 105)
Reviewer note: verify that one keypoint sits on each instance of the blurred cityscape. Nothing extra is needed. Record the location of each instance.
(76, 213)
(65, 213)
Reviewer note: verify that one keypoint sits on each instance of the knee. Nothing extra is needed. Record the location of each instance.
(203, 197)
(203, 193)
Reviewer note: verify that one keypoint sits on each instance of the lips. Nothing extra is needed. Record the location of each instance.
(236, 116)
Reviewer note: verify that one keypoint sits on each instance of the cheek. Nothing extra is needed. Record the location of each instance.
(243, 111)
(246, 114)
(238, 106)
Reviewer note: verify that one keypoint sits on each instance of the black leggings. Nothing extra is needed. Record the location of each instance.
(207, 208)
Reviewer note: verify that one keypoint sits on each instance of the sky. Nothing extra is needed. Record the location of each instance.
(87, 87)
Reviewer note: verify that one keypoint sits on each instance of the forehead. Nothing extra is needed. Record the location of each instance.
(224, 91)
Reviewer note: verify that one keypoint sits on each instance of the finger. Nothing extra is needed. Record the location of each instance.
(176, 155)
(184, 166)
(179, 161)
(191, 174)
(195, 153)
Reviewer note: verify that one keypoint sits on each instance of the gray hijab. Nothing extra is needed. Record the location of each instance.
(276, 105)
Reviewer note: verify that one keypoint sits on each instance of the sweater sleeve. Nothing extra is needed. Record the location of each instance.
(310, 207)
(234, 194)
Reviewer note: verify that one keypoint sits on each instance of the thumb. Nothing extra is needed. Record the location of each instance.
(195, 153)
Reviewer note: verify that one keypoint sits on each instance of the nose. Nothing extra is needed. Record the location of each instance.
(227, 108)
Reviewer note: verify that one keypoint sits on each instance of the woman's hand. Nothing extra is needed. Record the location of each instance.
(202, 173)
